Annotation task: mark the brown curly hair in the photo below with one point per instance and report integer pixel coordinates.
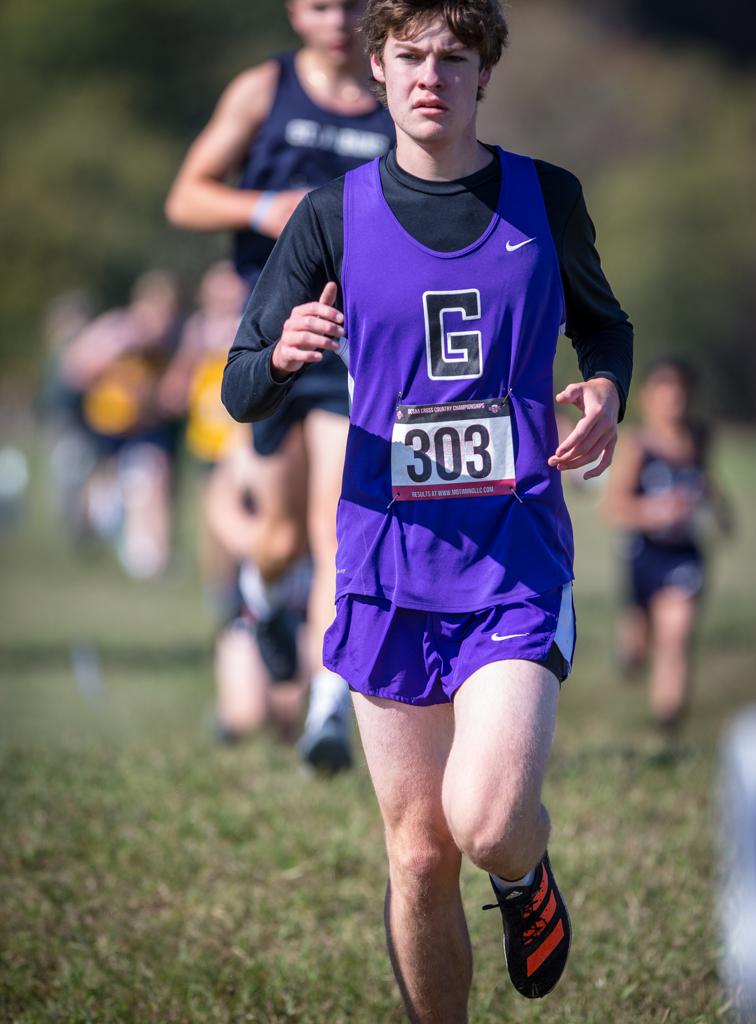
(478, 24)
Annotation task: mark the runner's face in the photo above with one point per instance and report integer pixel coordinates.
(221, 290)
(432, 82)
(328, 26)
(665, 396)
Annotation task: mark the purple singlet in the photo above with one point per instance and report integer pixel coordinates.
(448, 503)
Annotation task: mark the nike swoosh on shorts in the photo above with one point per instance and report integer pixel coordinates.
(509, 636)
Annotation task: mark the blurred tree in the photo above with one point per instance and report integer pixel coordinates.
(665, 145)
(728, 26)
(174, 55)
(98, 99)
(677, 230)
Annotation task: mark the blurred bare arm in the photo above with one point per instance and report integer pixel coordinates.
(96, 347)
(719, 502)
(723, 510)
(173, 394)
(201, 199)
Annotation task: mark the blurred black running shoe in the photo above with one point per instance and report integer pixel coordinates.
(276, 637)
(327, 747)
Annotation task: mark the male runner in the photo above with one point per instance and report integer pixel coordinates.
(190, 389)
(444, 272)
(115, 365)
(664, 495)
(287, 126)
(247, 696)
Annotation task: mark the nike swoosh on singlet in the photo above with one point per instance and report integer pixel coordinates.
(518, 245)
(509, 636)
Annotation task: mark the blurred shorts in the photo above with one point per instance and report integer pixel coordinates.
(653, 567)
(422, 658)
(165, 436)
(320, 388)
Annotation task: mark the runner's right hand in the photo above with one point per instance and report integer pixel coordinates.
(311, 329)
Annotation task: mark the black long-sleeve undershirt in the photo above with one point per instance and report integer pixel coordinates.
(445, 216)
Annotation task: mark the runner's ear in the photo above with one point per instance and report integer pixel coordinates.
(376, 67)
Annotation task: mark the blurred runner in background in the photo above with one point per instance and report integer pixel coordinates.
(661, 492)
(248, 696)
(191, 385)
(280, 129)
(228, 521)
(73, 451)
(115, 365)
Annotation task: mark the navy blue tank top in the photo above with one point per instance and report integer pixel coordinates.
(301, 145)
(660, 475)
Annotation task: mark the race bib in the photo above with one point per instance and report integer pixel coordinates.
(455, 450)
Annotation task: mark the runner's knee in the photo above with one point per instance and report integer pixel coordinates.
(506, 839)
(280, 544)
(421, 863)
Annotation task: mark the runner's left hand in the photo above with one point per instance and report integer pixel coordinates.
(596, 432)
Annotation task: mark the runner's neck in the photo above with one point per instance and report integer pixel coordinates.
(457, 159)
(343, 90)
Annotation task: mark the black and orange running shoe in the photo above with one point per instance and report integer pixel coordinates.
(537, 932)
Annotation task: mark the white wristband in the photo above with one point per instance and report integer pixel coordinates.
(260, 210)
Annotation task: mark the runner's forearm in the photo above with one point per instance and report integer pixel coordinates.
(249, 391)
(608, 353)
(207, 205)
(295, 273)
(598, 327)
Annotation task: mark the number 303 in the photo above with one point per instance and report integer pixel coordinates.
(447, 452)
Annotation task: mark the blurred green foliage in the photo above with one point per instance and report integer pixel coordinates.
(99, 99)
(679, 230)
(664, 141)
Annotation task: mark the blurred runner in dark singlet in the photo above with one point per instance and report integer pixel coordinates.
(228, 512)
(662, 493)
(247, 696)
(282, 128)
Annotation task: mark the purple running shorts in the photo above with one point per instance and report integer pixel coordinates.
(422, 658)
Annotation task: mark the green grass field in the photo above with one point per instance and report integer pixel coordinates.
(148, 876)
